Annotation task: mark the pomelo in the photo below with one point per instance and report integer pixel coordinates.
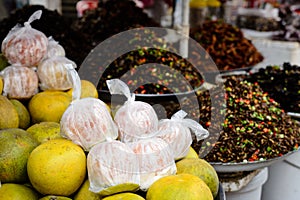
(88, 89)
(15, 146)
(45, 131)
(85, 194)
(53, 197)
(124, 196)
(1, 84)
(122, 187)
(181, 187)
(201, 168)
(3, 62)
(57, 167)
(9, 116)
(23, 113)
(48, 106)
(12, 191)
(192, 153)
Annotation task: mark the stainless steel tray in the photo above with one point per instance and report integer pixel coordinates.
(247, 166)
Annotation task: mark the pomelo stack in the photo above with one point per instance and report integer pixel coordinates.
(58, 140)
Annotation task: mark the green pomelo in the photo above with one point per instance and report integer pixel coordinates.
(23, 113)
(9, 116)
(12, 191)
(202, 169)
(45, 131)
(3, 62)
(15, 147)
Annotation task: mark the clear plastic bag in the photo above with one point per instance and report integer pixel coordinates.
(53, 73)
(88, 122)
(155, 158)
(54, 48)
(25, 45)
(177, 133)
(111, 163)
(135, 119)
(19, 82)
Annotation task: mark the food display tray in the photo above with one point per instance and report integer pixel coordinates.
(248, 166)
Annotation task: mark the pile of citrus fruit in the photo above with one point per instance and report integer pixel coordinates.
(41, 154)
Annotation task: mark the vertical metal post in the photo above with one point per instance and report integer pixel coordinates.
(185, 28)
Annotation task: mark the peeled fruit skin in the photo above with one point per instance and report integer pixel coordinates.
(85, 194)
(179, 187)
(48, 106)
(23, 113)
(12, 191)
(201, 168)
(124, 196)
(45, 131)
(57, 167)
(9, 116)
(15, 147)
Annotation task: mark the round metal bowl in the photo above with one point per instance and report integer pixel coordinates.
(248, 166)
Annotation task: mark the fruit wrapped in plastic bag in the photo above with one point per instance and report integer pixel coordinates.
(53, 73)
(155, 159)
(135, 119)
(19, 82)
(88, 122)
(25, 45)
(177, 133)
(54, 48)
(112, 163)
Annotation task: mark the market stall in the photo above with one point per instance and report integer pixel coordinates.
(110, 105)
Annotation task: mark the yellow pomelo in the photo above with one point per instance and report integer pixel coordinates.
(15, 147)
(45, 131)
(201, 168)
(124, 196)
(48, 106)
(1, 85)
(179, 187)
(88, 89)
(124, 187)
(53, 197)
(9, 116)
(57, 167)
(192, 153)
(85, 194)
(12, 191)
(24, 116)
